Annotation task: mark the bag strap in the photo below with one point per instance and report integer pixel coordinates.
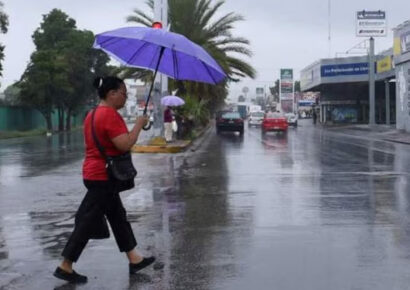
(99, 146)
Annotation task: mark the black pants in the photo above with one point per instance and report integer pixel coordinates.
(101, 200)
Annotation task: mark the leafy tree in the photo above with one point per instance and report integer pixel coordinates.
(297, 86)
(4, 23)
(45, 81)
(83, 64)
(12, 95)
(61, 70)
(275, 91)
(196, 20)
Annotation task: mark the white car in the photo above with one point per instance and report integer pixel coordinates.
(255, 118)
(292, 119)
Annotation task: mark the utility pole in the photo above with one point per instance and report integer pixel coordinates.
(161, 81)
(372, 107)
(387, 93)
(329, 11)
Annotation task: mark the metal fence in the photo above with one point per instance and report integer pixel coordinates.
(24, 119)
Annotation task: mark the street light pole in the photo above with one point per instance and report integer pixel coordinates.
(161, 81)
(329, 11)
(372, 108)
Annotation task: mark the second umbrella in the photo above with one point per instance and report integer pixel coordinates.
(172, 101)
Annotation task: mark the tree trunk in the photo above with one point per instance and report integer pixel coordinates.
(60, 119)
(68, 121)
(49, 122)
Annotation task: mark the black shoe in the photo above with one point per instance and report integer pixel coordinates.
(73, 277)
(134, 268)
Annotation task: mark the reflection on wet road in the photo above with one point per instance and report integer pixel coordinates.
(310, 209)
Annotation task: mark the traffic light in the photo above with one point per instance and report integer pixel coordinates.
(157, 25)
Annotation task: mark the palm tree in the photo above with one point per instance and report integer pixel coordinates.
(4, 23)
(194, 19)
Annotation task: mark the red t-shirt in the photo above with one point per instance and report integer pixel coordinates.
(108, 124)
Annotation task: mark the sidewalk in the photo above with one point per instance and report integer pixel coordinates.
(379, 132)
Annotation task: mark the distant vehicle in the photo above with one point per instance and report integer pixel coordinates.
(254, 108)
(255, 118)
(229, 121)
(274, 121)
(243, 110)
(292, 119)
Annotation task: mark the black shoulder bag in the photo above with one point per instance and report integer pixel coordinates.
(120, 169)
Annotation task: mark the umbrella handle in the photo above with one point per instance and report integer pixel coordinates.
(149, 124)
(147, 127)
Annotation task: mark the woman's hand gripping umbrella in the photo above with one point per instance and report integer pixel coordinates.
(166, 52)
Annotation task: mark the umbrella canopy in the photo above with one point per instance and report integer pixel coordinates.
(170, 53)
(172, 101)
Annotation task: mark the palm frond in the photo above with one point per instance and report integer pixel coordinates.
(140, 17)
(150, 4)
(207, 15)
(224, 25)
(231, 40)
(237, 49)
(239, 66)
(4, 19)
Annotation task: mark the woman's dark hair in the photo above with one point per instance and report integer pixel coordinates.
(106, 84)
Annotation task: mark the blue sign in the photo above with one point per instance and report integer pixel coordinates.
(347, 69)
(306, 103)
(344, 115)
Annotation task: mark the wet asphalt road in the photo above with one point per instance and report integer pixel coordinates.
(312, 209)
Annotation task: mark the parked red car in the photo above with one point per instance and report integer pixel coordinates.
(274, 121)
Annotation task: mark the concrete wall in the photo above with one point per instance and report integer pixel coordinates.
(402, 63)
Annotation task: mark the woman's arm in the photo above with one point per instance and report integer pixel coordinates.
(124, 142)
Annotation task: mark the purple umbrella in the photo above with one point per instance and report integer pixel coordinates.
(169, 53)
(172, 101)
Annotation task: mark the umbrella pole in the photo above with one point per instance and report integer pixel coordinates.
(153, 80)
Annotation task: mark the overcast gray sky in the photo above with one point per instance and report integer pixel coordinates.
(283, 34)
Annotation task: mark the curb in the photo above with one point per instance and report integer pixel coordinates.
(161, 148)
(169, 148)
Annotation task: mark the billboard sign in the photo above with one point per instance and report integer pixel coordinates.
(384, 65)
(371, 23)
(347, 69)
(286, 84)
(259, 91)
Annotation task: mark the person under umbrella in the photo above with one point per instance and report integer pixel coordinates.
(168, 118)
(169, 102)
(169, 53)
(102, 199)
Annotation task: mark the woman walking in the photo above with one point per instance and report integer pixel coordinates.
(168, 124)
(102, 199)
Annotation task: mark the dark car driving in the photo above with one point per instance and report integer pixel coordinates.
(229, 121)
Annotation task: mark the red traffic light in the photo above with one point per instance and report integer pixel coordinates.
(157, 25)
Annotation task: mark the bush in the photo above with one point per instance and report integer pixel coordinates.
(195, 110)
(194, 114)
